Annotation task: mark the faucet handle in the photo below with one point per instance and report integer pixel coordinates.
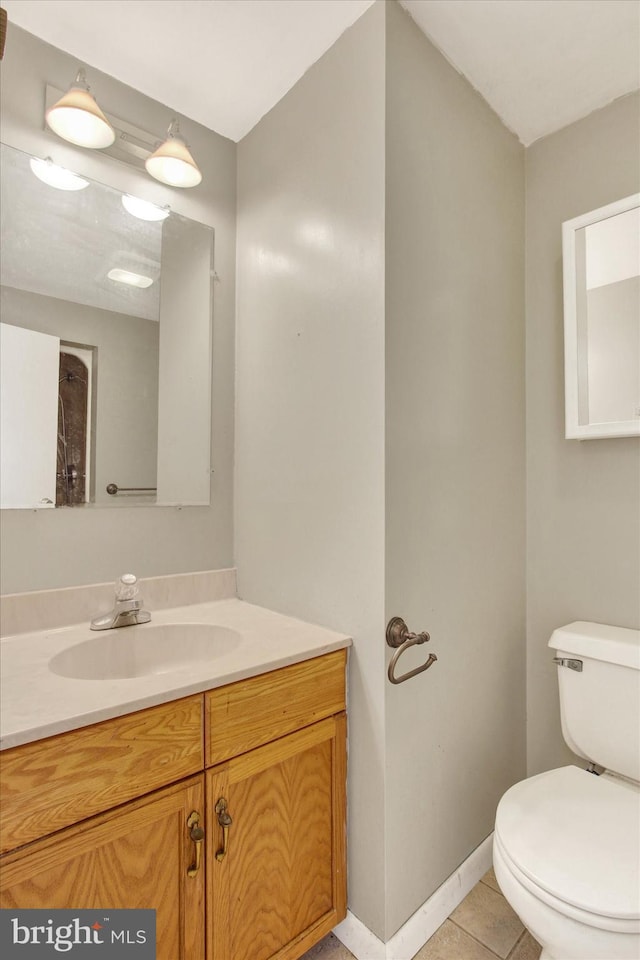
(127, 587)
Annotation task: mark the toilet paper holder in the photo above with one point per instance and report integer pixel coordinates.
(398, 636)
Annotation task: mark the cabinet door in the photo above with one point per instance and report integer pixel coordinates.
(279, 884)
(134, 856)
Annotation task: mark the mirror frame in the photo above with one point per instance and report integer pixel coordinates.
(574, 430)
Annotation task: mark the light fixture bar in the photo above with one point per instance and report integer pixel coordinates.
(132, 145)
(171, 158)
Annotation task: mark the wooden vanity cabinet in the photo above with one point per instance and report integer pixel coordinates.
(276, 875)
(137, 855)
(88, 820)
(53, 783)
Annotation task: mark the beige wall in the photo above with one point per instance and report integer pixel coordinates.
(310, 391)
(583, 497)
(429, 760)
(455, 736)
(54, 548)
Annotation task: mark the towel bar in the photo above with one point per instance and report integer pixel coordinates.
(398, 636)
(113, 489)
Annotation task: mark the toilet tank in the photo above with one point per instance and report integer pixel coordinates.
(600, 703)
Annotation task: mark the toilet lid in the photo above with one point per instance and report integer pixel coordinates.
(577, 836)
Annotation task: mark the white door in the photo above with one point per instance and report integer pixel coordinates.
(29, 371)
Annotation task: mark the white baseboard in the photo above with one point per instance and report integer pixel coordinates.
(359, 940)
(404, 944)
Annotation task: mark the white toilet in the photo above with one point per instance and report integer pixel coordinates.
(566, 848)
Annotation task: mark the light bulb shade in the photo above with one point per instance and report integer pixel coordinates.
(76, 117)
(173, 164)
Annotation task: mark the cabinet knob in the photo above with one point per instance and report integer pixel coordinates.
(225, 822)
(197, 835)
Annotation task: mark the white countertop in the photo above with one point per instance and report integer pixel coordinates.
(37, 703)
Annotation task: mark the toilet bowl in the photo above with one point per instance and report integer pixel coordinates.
(567, 842)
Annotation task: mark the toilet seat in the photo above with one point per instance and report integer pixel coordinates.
(561, 907)
(573, 840)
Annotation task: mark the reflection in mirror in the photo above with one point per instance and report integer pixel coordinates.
(105, 345)
(601, 252)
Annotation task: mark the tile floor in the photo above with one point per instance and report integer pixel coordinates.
(483, 927)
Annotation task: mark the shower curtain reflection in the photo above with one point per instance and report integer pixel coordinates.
(73, 406)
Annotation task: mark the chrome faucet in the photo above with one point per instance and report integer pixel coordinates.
(127, 609)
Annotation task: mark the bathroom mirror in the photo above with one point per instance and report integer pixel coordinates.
(601, 259)
(106, 340)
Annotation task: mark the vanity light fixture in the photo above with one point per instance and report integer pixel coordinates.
(76, 117)
(143, 209)
(131, 279)
(55, 176)
(172, 162)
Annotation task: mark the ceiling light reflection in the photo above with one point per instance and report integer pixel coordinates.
(131, 279)
(54, 176)
(143, 209)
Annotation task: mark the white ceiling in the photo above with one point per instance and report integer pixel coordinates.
(541, 64)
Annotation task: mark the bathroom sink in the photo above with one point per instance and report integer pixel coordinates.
(143, 651)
